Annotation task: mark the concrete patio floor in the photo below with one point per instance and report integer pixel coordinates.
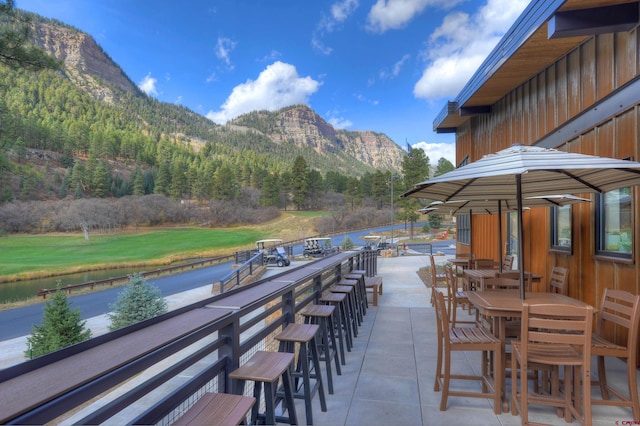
(390, 373)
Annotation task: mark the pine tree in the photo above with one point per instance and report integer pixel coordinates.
(138, 302)
(61, 327)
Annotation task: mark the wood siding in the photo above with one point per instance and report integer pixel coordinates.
(562, 91)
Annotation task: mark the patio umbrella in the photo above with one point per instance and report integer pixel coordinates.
(522, 171)
(498, 207)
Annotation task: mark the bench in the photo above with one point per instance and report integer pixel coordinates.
(217, 408)
(375, 285)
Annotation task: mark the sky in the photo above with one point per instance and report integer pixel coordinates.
(388, 66)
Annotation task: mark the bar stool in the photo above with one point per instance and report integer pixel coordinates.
(328, 346)
(362, 291)
(356, 297)
(307, 367)
(267, 367)
(342, 325)
(352, 318)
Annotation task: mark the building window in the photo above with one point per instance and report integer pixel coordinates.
(613, 221)
(561, 230)
(463, 222)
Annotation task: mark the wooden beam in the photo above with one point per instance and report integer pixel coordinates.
(597, 20)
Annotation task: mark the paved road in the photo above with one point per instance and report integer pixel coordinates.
(19, 321)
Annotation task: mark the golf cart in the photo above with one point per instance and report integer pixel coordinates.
(317, 247)
(375, 242)
(273, 253)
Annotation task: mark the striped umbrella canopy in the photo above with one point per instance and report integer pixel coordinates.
(522, 171)
(498, 207)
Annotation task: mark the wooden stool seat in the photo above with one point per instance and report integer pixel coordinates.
(308, 363)
(341, 323)
(323, 315)
(362, 291)
(266, 368)
(352, 316)
(375, 284)
(357, 298)
(217, 408)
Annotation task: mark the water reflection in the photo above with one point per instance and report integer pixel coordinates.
(21, 290)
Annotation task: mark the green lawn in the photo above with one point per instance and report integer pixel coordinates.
(30, 254)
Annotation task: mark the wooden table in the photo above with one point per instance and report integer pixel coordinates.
(502, 304)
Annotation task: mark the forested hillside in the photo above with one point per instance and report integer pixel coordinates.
(85, 131)
(99, 133)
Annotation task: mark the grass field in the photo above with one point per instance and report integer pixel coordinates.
(27, 256)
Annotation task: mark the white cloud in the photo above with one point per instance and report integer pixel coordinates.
(435, 151)
(148, 85)
(395, 70)
(277, 86)
(393, 14)
(340, 12)
(339, 122)
(457, 47)
(224, 46)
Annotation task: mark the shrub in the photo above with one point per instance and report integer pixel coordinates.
(61, 327)
(346, 244)
(139, 301)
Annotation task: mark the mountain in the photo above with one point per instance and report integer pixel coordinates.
(91, 70)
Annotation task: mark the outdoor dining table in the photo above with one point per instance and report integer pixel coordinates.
(502, 304)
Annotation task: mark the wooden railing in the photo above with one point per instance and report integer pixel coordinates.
(153, 371)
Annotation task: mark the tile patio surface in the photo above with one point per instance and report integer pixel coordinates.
(389, 374)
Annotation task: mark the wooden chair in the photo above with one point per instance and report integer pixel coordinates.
(485, 264)
(436, 279)
(554, 335)
(558, 280)
(507, 262)
(621, 309)
(452, 339)
(500, 283)
(528, 277)
(456, 297)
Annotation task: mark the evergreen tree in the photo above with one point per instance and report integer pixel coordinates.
(138, 182)
(101, 180)
(225, 184)
(61, 327)
(15, 50)
(443, 167)
(270, 194)
(299, 182)
(139, 301)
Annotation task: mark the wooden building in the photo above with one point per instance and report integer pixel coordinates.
(565, 76)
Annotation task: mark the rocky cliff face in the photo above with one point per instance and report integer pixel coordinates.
(85, 62)
(302, 126)
(91, 69)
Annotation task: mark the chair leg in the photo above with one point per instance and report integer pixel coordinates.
(436, 383)
(602, 378)
(445, 382)
(633, 389)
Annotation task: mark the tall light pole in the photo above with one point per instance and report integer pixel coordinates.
(393, 217)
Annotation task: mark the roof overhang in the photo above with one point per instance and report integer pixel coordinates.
(546, 30)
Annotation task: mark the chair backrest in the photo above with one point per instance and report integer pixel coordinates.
(442, 317)
(528, 278)
(622, 309)
(558, 280)
(507, 262)
(500, 283)
(434, 273)
(485, 264)
(558, 324)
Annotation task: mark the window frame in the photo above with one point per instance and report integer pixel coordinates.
(600, 249)
(554, 235)
(463, 228)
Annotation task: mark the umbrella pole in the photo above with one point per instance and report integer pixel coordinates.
(500, 234)
(520, 235)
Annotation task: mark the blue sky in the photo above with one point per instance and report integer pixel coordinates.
(383, 65)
